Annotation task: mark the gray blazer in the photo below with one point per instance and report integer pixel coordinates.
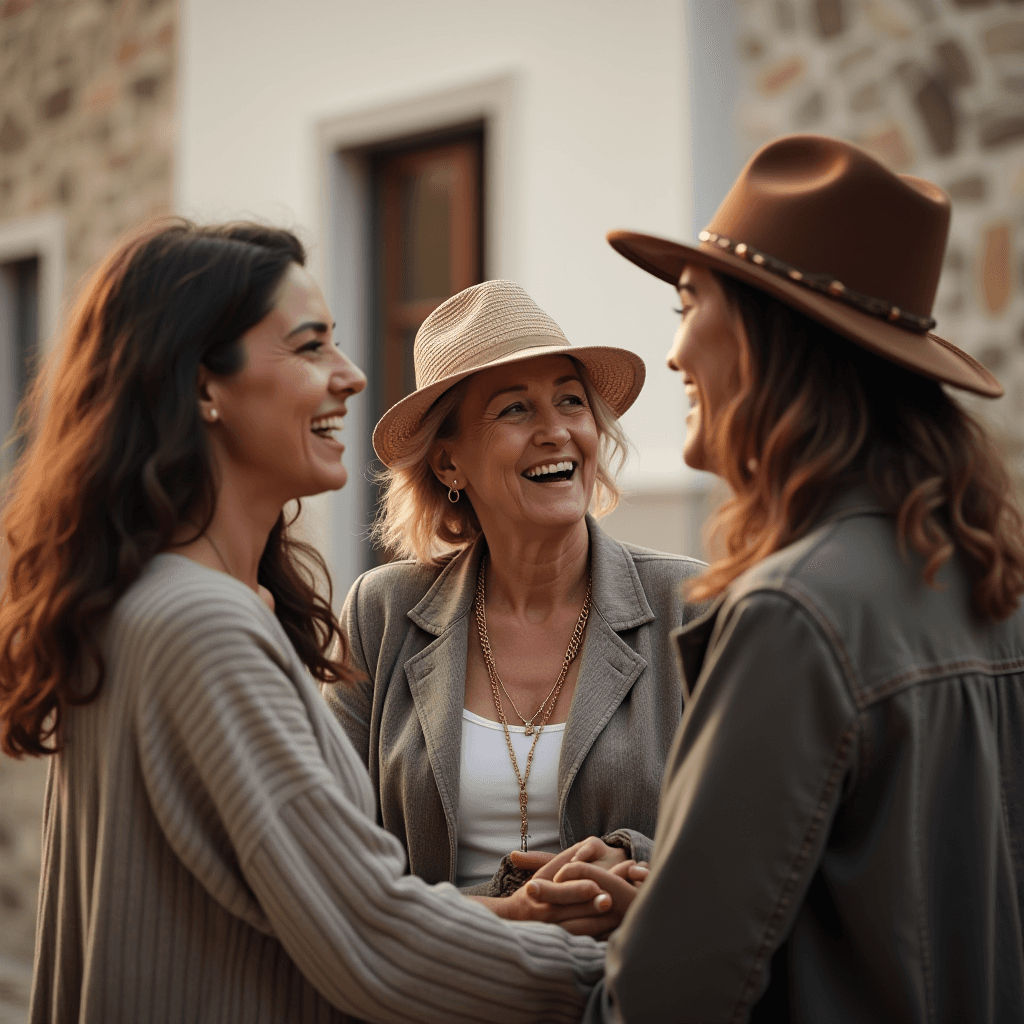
(408, 626)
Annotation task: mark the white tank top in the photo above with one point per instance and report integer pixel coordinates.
(489, 819)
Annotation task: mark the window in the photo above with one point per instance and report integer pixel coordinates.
(19, 334)
(428, 228)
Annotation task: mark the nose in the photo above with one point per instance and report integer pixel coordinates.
(673, 353)
(551, 428)
(347, 378)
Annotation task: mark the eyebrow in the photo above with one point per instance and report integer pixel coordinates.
(522, 387)
(686, 288)
(311, 325)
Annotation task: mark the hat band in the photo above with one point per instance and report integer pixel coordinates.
(824, 283)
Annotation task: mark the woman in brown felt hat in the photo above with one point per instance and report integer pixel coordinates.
(518, 692)
(842, 821)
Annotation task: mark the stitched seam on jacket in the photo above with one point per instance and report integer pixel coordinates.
(833, 637)
(934, 672)
(922, 913)
(741, 1012)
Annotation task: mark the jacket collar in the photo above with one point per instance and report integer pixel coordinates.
(855, 500)
(617, 592)
(691, 641)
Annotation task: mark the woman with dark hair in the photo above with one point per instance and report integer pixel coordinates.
(842, 819)
(210, 851)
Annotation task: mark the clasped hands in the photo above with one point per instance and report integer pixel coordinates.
(586, 888)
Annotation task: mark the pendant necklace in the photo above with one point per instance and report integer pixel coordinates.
(547, 705)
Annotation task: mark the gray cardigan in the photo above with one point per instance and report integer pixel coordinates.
(408, 626)
(210, 854)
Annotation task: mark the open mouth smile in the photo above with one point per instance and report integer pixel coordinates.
(551, 471)
(327, 426)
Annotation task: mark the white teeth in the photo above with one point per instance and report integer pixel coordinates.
(327, 423)
(554, 467)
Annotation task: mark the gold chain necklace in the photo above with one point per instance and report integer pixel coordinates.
(549, 701)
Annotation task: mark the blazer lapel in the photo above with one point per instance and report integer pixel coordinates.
(437, 678)
(608, 666)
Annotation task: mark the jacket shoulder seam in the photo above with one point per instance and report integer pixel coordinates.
(932, 673)
(785, 588)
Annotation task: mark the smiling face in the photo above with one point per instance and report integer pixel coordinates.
(274, 423)
(706, 351)
(527, 447)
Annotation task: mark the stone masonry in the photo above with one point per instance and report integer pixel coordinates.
(87, 128)
(87, 116)
(933, 88)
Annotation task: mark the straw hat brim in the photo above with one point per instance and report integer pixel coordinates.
(616, 374)
(927, 354)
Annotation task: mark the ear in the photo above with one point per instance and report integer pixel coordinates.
(206, 394)
(440, 460)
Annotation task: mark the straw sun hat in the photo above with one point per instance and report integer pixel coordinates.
(821, 225)
(493, 324)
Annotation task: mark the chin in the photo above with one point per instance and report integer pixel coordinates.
(324, 482)
(560, 518)
(694, 454)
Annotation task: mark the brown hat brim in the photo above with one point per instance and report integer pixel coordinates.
(927, 354)
(616, 374)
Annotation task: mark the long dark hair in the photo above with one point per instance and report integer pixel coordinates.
(118, 460)
(815, 412)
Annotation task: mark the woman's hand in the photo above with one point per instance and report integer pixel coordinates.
(620, 885)
(580, 900)
(596, 851)
(591, 849)
(573, 888)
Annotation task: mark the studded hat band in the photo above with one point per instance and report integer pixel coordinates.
(824, 283)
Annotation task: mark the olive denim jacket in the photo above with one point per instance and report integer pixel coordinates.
(841, 834)
(408, 627)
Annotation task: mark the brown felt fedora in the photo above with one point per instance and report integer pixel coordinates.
(821, 225)
(492, 324)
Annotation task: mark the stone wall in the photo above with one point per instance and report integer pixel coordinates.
(86, 127)
(933, 88)
(87, 115)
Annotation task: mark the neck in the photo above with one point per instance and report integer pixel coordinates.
(236, 537)
(531, 575)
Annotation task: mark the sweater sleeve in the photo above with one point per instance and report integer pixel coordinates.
(242, 790)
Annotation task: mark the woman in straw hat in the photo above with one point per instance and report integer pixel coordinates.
(843, 815)
(518, 692)
(210, 851)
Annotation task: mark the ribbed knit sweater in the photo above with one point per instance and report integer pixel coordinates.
(210, 850)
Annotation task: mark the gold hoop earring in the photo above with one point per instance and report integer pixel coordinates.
(451, 491)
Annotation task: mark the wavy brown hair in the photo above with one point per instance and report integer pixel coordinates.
(817, 413)
(117, 460)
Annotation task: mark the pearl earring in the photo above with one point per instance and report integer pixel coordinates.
(752, 465)
(211, 415)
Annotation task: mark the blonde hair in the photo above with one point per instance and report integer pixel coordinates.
(416, 520)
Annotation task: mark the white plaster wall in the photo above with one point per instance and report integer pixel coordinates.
(598, 138)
